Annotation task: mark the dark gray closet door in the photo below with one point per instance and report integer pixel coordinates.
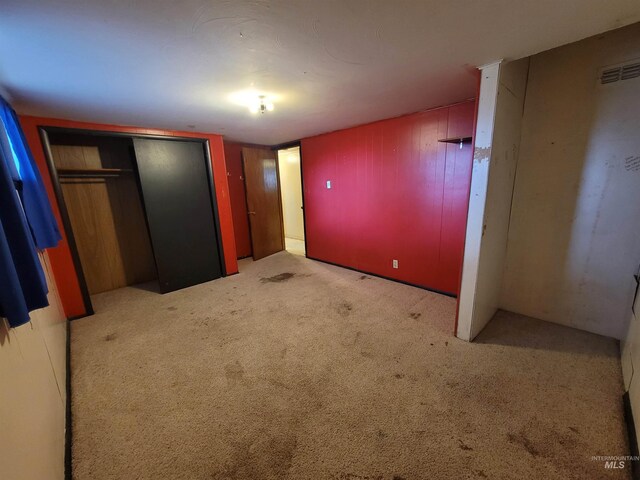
(176, 191)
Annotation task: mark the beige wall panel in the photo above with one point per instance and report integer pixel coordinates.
(32, 395)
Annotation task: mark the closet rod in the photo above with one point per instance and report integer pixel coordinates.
(89, 175)
(92, 172)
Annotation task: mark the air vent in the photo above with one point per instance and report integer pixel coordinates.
(624, 71)
(611, 75)
(630, 71)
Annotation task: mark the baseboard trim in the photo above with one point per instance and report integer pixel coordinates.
(631, 433)
(448, 294)
(68, 433)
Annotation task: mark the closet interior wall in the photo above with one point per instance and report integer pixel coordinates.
(100, 188)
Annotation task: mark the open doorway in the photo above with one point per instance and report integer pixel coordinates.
(291, 195)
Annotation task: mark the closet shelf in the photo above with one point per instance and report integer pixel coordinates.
(456, 140)
(92, 172)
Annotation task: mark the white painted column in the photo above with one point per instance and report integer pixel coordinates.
(478, 197)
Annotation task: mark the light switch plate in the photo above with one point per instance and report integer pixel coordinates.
(328, 183)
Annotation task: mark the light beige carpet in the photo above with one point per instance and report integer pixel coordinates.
(295, 369)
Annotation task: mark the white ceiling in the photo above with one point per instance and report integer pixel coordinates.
(327, 64)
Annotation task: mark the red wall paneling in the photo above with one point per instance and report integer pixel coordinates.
(396, 193)
(237, 195)
(61, 261)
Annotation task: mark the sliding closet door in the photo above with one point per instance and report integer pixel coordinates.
(178, 202)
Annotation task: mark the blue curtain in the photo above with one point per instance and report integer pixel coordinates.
(32, 193)
(27, 224)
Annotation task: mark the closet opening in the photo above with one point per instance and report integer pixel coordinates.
(99, 184)
(137, 210)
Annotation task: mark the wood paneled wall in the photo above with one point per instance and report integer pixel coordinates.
(238, 198)
(107, 217)
(397, 193)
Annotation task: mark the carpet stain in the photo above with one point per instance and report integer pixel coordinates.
(283, 352)
(110, 337)
(353, 476)
(281, 277)
(464, 446)
(415, 316)
(234, 371)
(567, 440)
(523, 441)
(266, 457)
(480, 473)
(277, 383)
(344, 309)
(364, 277)
(399, 375)
(398, 477)
(172, 309)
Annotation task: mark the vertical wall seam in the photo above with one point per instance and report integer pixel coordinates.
(515, 180)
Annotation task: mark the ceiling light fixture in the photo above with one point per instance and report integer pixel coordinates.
(257, 101)
(261, 105)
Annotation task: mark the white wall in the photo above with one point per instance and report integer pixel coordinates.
(291, 189)
(502, 92)
(574, 240)
(33, 393)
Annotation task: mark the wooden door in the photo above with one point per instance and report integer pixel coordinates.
(263, 201)
(177, 194)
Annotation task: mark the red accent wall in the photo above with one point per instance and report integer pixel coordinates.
(238, 197)
(396, 193)
(61, 262)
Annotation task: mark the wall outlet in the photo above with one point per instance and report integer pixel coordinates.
(395, 264)
(328, 183)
